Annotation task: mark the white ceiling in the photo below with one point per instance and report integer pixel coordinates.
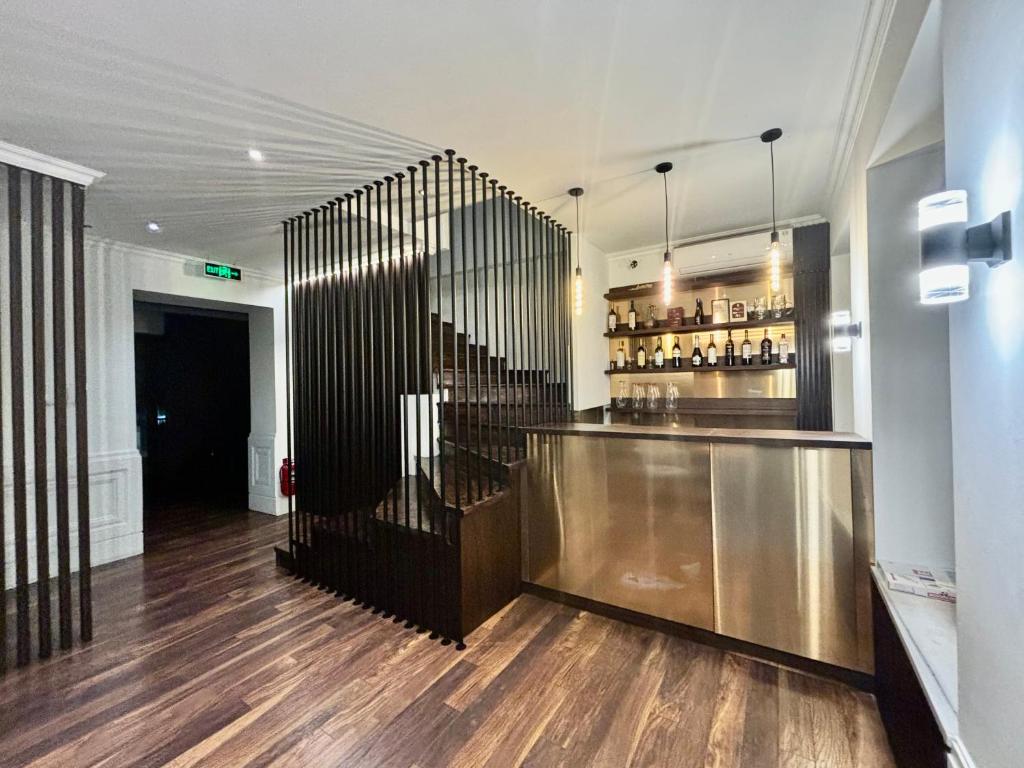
(167, 97)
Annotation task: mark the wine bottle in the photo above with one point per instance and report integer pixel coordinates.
(697, 358)
(712, 352)
(746, 350)
(613, 319)
(783, 349)
(677, 354)
(659, 355)
(766, 349)
(631, 317)
(620, 356)
(641, 356)
(730, 350)
(698, 316)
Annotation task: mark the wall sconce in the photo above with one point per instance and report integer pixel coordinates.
(843, 331)
(948, 244)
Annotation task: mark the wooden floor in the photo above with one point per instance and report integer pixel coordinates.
(206, 654)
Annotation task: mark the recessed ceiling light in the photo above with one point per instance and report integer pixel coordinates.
(255, 155)
(152, 226)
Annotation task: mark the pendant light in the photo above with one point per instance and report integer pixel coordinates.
(769, 137)
(577, 287)
(666, 264)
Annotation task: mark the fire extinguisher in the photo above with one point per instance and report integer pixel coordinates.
(286, 475)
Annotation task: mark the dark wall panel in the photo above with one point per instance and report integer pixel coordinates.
(812, 299)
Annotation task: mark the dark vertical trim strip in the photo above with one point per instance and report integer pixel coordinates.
(811, 297)
(60, 412)
(14, 223)
(288, 235)
(42, 491)
(81, 413)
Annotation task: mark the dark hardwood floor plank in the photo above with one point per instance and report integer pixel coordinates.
(205, 654)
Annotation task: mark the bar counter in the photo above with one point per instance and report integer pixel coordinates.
(762, 536)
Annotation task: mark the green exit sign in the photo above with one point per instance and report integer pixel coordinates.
(223, 271)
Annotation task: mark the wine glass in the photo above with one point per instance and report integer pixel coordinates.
(671, 395)
(623, 397)
(653, 396)
(638, 396)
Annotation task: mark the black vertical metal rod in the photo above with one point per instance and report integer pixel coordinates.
(361, 393)
(326, 412)
(394, 435)
(553, 316)
(429, 568)
(417, 307)
(370, 398)
(387, 539)
(476, 335)
(316, 287)
(287, 246)
(492, 422)
(403, 346)
(302, 407)
(506, 290)
(351, 413)
(298, 556)
(542, 327)
(60, 413)
(449, 628)
(520, 326)
(333, 439)
(307, 376)
(42, 495)
(531, 311)
(566, 308)
(437, 548)
(14, 223)
(81, 413)
(465, 326)
(502, 432)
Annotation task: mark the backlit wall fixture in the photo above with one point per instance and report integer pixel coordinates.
(666, 263)
(769, 137)
(45, 202)
(577, 286)
(844, 331)
(948, 245)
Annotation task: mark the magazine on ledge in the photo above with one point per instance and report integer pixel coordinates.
(933, 583)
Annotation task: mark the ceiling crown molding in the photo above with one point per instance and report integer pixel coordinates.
(20, 157)
(877, 17)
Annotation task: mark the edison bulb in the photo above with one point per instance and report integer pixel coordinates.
(578, 292)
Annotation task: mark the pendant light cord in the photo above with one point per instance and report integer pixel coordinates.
(771, 150)
(577, 232)
(664, 177)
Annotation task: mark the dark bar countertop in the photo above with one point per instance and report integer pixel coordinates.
(777, 437)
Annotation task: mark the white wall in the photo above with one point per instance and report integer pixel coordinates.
(115, 274)
(842, 364)
(983, 73)
(590, 347)
(910, 399)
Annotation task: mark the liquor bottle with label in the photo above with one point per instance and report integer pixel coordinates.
(659, 355)
(641, 356)
(620, 356)
(613, 319)
(712, 352)
(631, 316)
(698, 316)
(783, 349)
(766, 349)
(730, 350)
(746, 350)
(697, 358)
(677, 354)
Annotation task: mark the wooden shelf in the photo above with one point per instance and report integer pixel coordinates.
(663, 330)
(688, 368)
(722, 406)
(697, 283)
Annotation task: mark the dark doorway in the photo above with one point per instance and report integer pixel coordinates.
(192, 407)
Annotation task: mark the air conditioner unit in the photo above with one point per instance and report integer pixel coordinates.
(728, 254)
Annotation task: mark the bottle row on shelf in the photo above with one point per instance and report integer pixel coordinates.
(724, 312)
(700, 358)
